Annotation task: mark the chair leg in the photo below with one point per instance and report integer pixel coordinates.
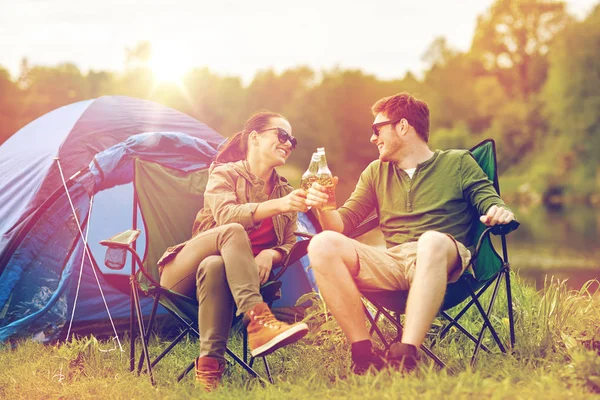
(168, 349)
(245, 346)
(375, 318)
(424, 348)
(185, 372)
(140, 319)
(374, 327)
(463, 311)
(148, 330)
(461, 328)
(131, 324)
(511, 320)
(268, 369)
(487, 323)
(244, 365)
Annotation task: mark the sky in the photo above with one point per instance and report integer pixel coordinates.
(386, 38)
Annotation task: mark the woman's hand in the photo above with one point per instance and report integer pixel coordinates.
(264, 261)
(294, 202)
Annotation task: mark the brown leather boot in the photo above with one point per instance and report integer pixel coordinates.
(267, 334)
(209, 372)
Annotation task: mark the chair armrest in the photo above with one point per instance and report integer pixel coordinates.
(367, 225)
(121, 240)
(299, 250)
(505, 229)
(307, 235)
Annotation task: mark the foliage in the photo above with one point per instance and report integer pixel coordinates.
(512, 40)
(556, 356)
(573, 85)
(530, 81)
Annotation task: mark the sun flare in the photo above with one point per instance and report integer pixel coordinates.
(168, 65)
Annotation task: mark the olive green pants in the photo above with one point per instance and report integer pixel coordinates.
(218, 265)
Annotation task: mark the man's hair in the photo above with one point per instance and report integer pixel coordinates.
(403, 105)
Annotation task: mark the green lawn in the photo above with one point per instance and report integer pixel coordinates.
(558, 340)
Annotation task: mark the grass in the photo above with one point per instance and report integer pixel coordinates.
(557, 356)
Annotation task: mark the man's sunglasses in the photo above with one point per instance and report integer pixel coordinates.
(378, 125)
(283, 136)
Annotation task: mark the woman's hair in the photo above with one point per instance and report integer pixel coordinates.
(236, 147)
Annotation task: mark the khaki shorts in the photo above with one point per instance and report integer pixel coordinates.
(394, 268)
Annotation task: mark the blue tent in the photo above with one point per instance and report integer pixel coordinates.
(66, 177)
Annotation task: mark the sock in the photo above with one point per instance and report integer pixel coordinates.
(362, 349)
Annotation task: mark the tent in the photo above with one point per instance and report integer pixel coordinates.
(65, 180)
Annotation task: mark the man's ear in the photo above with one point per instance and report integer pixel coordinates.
(403, 125)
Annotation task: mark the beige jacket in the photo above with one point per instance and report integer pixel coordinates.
(232, 196)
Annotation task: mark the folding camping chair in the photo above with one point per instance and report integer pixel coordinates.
(490, 268)
(168, 200)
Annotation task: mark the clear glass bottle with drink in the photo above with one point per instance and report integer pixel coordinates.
(310, 175)
(325, 178)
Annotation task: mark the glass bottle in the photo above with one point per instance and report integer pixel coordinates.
(310, 175)
(325, 178)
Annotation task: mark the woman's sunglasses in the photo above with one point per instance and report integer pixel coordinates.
(283, 136)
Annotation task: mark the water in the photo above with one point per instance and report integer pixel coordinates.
(564, 243)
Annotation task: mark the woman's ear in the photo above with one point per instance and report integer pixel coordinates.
(253, 138)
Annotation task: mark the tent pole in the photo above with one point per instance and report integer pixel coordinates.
(131, 294)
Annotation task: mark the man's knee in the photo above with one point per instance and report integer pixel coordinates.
(325, 244)
(433, 240)
(437, 244)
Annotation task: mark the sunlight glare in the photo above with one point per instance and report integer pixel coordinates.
(168, 65)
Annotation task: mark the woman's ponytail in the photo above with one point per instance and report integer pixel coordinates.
(236, 148)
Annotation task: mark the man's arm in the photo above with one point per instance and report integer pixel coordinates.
(330, 220)
(347, 217)
(317, 197)
(480, 192)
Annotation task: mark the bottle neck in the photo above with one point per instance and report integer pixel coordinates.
(323, 168)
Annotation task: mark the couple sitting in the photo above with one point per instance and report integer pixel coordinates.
(424, 199)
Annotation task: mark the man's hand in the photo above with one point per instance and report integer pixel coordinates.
(294, 202)
(317, 196)
(497, 216)
(264, 261)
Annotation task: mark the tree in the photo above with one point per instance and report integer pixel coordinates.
(512, 40)
(573, 101)
(450, 88)
(45, 88)
(10, 106)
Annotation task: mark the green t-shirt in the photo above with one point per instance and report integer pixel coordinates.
(445, 194)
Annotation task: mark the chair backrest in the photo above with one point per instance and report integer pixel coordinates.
(488, 262)
(168, 200)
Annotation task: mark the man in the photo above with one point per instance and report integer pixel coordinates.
(425, 201)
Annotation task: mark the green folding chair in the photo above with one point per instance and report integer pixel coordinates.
(490, 269)
(168, 201)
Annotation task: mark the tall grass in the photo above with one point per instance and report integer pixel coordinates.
(556, 356)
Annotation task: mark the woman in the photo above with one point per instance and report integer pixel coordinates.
(246, 226)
